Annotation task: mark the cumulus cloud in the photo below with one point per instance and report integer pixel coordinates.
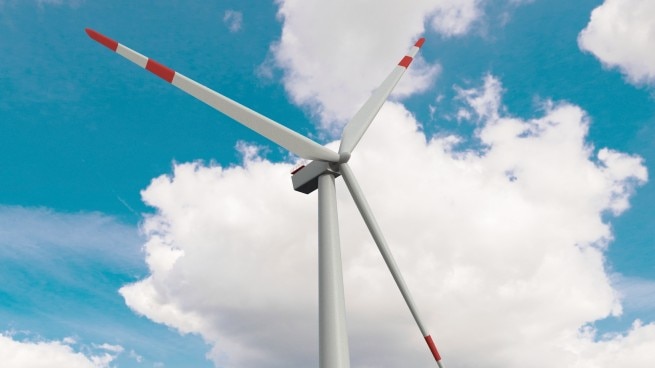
(503, 248)
(233, 20)
(44, 354)
(621, 34)
(334, 53)
(481, 103)
(455, 17)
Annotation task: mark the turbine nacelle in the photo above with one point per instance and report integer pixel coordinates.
(305, 179)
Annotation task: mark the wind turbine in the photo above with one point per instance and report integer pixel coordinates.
(320, 174)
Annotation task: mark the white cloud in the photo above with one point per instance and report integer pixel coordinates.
(632, 349)
(71, 3)
(46, 354)
(621, 34)
(503, 248)
(455, 17)
(484, 103)
(334, 53)
(42, 3)
(110, 348)
(61, 269)
(38, 233)
(233, 20)
(638, 293)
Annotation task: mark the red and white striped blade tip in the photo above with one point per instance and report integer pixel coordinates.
(408, 59)
(433, 348)
(102, 39)
(153, 66)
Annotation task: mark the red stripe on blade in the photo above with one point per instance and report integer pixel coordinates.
(433, 348)
(161, 71)
(420, 42)
(405, 61)
(102, 39)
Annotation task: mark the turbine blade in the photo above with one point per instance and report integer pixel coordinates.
(381, 242)
(357, 126)
(283, 136)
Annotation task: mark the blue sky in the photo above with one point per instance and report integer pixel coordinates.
(98, 154)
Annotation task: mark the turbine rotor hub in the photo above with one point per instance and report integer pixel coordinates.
(344, 157)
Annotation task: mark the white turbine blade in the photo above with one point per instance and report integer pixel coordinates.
(283, 136)
(381, 242)
(357, 126)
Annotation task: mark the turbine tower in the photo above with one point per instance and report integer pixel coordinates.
(320, 174)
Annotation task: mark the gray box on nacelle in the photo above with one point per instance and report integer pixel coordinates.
(305, 180)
